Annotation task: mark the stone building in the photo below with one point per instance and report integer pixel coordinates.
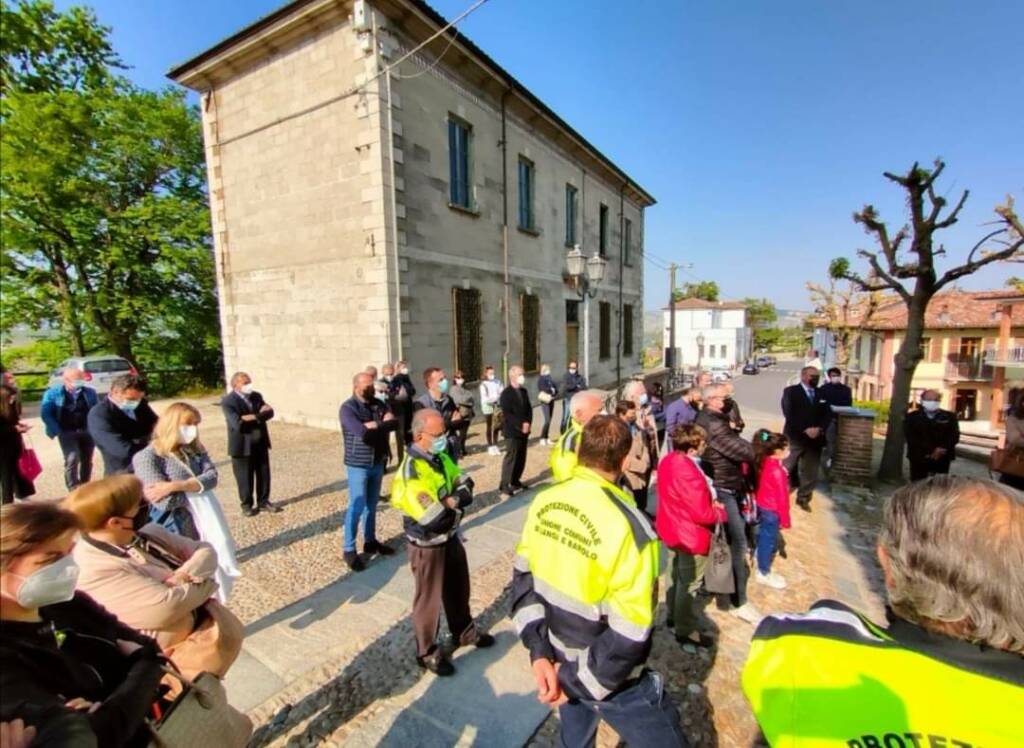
(424, 213)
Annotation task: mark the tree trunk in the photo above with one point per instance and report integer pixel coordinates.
(907, 359)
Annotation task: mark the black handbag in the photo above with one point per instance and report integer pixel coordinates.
(718, 578)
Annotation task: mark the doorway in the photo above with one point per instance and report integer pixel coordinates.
(966, 405)
(572, 330)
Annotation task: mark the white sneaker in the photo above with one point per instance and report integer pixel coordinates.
(771, 579)
(493, 450)
(748, 613)
(545, 443)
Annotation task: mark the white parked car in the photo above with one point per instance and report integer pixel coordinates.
(720, 375)
(100, 371)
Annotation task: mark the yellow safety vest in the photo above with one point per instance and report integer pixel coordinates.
(564, 456)
(417, 490)
(584, 585)
(833, 678)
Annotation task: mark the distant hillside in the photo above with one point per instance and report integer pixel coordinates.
(790, 318)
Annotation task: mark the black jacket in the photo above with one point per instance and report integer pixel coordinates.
(38, 675)
(119, 436)
(445, 406)
(924, 434)
(725, 453)
(246, 436)
(572, 384)
(515, 411)
(802, 413)
(836, 394)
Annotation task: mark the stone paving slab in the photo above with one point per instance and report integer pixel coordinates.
(490, 701)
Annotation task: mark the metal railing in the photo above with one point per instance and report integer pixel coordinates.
(1014, 356)
(967, 368)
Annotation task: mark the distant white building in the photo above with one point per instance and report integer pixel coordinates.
(708, 334)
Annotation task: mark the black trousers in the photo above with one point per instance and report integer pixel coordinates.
(514, 461)
(78, 448)
(802, 465)
(921, 469)
(252, 474)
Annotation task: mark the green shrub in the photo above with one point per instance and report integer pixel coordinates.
(881, 409)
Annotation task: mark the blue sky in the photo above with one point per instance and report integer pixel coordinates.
(759, 126)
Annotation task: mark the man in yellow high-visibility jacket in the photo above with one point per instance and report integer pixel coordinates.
(949, 668)
(432, 492)
(583, 406)
(584, 591)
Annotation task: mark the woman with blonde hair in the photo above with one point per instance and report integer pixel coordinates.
(178, 479)
(153, 580)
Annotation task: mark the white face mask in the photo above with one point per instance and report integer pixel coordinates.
(835, 380)
(930, 406)
(187, 434)
(572, 369)
(404, 370)
(490, 377)
(545, 372)
(459, 381)
(247, 389)
(49, 585)
(521, 380)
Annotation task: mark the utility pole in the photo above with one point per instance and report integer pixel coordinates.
(670, 358)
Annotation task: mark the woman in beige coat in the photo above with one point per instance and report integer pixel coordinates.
(153, 580)
(637, 473)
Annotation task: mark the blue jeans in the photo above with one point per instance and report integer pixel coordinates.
(642, 715)
(363, 495)
(767, 539)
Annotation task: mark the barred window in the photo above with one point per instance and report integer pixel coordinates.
(605, 330)
(468, 345)
(529, 315)
(627, 330)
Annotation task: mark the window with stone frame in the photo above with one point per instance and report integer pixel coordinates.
(604, 348)
(466, 333)
(627, 242)
(460, 133)
(627, 329)
(526, 192)
(602, 231)
(529, 316)
(571, 208)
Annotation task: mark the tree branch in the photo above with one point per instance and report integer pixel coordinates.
(952, 217)
(879, 272)
(971, 267)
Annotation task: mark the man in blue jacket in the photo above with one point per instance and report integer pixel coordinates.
(65, 413)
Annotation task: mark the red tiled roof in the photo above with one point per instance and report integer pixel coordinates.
(953, 309)
(685, 304)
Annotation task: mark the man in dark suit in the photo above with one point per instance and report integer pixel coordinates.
(121, 423)
(932, 435)
(807, 417)
(517, 417)
(249, 444)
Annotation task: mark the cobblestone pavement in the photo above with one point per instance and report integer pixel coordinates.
(290, 556)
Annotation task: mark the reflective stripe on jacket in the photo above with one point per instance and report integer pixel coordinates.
(585, 584)
(421, 483)
(564, 456)
(831, 677)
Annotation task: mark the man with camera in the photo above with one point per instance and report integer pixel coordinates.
(432, 493)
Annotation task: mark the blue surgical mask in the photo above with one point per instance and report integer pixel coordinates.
(643, 399)
(439, 444)
(130, 405)
(443, 386)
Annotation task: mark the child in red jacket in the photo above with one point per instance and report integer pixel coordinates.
(770, 449)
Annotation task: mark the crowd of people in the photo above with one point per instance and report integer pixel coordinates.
(142, 560)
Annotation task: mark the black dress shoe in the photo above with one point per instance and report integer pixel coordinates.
(268, 506)
(353, 561)
(519, 486)
(805, 505)
(250, 511)
(484, 641)
(379, 548)
(436, 664)
(703, 640)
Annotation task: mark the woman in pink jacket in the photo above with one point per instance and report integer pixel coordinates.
(687, 513)
(770, 449)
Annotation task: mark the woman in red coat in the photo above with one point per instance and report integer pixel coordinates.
(687, 514)
(771, 450)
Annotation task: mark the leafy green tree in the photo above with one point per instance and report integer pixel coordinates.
(706, 290)
(761, 316)
(105, 224)
(912, 273)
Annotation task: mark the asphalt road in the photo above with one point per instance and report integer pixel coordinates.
(763, 392)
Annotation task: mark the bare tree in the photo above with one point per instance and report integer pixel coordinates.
(912, 275)
(843, 310)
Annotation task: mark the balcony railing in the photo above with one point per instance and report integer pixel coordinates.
(1014, 356)
(967, 368)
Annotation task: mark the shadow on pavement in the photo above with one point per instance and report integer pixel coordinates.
(373, 675)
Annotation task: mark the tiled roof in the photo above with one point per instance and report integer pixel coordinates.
(685, 304)
(953, 309)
